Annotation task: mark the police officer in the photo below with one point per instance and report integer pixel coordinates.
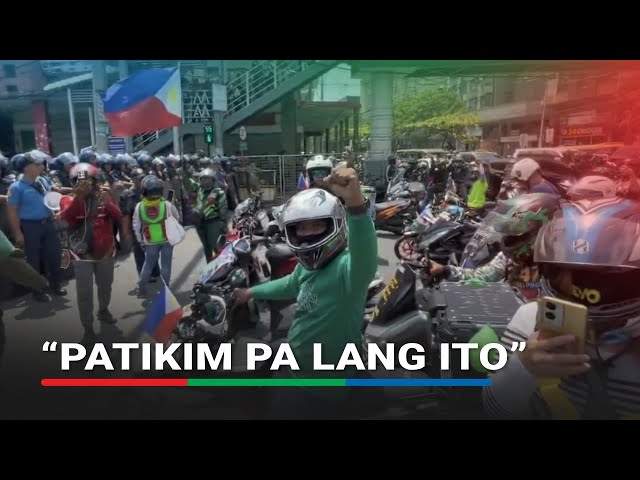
(32, 222)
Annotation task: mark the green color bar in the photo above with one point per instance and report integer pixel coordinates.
(266, 382)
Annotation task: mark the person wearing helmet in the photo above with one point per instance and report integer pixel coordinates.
(517, 222)
(128, 201)
(144, 161)
(62, 165)
(149, 228)
(227, 170)
(592, 187)
(317, 168)
(210, 211)
(528, 174)
(330, 282)
(88, 155)
(32, 222)
(478, 194)
(91, 215)
(588, 255)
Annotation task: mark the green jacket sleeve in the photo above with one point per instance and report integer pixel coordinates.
(190, 185)
(362, 262)
(284, 288)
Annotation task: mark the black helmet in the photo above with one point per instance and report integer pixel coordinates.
(152, 187)
(21, 160)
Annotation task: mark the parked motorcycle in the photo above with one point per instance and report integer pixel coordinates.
(394, 216)
(440, 313)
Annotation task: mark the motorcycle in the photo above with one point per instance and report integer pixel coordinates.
(394, 216)
(438, 313)
(444, 234)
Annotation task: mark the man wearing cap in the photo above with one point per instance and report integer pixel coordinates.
(32, 221)
(528, 174)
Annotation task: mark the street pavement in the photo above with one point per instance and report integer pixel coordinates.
(29, 324)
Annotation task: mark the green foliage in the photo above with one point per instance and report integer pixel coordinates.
(432, 112)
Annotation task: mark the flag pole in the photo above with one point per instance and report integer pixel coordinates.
(176, 130)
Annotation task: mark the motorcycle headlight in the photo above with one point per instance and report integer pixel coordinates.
(238, 278)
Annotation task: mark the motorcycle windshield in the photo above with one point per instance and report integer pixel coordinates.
(243, 208)
(427, 215)
(219, 266)
(477, 251)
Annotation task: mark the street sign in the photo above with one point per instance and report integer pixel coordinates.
(243, 133)
(243, 146)
(208, 133)
(116, 145)
(219, 100)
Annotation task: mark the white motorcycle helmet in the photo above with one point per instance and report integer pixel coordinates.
(315, 204)
(592, 187)
(318, 166)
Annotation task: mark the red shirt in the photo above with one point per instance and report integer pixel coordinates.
(74, 212)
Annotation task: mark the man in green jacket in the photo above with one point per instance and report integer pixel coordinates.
(210, 212)
(330, 284)
(14, 266)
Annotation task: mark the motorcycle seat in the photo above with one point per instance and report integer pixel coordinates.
(392, 203)
(278, 252)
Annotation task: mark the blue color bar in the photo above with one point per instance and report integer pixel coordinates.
(418, 382)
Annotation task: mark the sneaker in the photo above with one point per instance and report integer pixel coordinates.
(59, 291)
(141, 294)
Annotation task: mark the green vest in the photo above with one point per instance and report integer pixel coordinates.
(211, 210)
(153, 228)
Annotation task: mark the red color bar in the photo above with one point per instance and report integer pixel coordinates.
(113, 382)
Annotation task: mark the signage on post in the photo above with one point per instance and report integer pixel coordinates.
(208, 133)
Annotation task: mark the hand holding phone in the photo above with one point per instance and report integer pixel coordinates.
(557, 348)
(559, 317)
(170, 195)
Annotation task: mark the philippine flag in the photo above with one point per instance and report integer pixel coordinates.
(163, 316)
(302, 183)
(146, 101)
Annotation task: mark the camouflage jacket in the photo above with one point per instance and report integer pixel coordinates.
(525, 279)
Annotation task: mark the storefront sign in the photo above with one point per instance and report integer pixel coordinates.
(582, 131)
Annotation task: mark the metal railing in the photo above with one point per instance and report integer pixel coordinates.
(282, 172)
(242, 90)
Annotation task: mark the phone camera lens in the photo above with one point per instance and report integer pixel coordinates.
(550, 315)
(551, 306)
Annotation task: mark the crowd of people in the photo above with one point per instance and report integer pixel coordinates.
(102, 208)
(586, 240)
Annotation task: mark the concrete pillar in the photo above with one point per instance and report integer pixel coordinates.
(347, 136)
(336, 138)
(381, 122)
(99, 88)
(123, 70)
(288, 122)
(327, 141)
(356, 126)
(341, 136)
(41, 129)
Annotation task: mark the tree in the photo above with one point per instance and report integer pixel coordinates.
(433, 112)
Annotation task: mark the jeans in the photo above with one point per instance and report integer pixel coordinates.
(162, 251)
(139, 256)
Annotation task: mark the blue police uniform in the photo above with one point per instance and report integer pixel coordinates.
(41, 240)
